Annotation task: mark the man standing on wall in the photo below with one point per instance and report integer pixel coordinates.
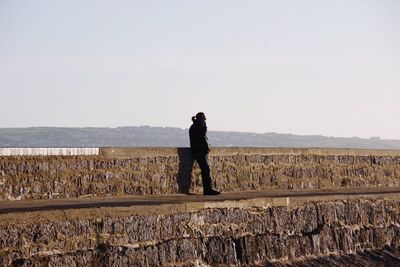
(200, 149)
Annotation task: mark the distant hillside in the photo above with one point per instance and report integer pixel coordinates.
(145, 136)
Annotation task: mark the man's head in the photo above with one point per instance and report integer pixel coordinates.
(200, 116)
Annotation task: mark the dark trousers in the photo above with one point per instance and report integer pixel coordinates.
(202, 160)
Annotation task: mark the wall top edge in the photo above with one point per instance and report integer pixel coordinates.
(173, 151)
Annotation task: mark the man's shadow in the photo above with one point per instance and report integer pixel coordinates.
(184, 177)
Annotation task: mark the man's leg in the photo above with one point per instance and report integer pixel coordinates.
(205, 175)
(205, 171)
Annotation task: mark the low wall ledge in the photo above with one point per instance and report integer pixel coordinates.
(173, 151)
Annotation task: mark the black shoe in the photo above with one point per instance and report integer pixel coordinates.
(211, 192)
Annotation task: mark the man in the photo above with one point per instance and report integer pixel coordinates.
(200, 149)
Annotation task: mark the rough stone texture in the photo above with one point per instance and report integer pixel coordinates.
(230, 236)
(388, 256)
(164, 171)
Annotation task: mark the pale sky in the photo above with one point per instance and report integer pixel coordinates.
(304, 67)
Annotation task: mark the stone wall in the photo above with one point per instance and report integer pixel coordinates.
(254, 235)
(140, 171)
(48, 151)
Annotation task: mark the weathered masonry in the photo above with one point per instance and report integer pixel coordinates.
(154, 171)
(122, 207)
(244, 232)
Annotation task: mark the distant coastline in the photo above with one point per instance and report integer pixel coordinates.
(146, 136)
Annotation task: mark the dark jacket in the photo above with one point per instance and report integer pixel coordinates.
(198, 138)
